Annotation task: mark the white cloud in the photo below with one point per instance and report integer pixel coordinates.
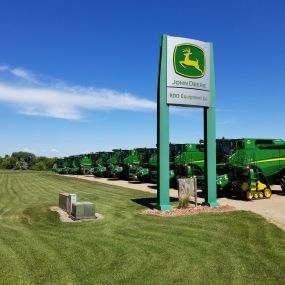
(33, 97)
(23, 74)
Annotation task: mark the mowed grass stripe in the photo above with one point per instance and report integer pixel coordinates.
(127, 247)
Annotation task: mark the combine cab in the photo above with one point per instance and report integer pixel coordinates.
(248, 167)
(138, 167)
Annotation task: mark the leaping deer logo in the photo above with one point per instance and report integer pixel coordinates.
(188, 62)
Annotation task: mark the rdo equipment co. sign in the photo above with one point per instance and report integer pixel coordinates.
(186, 78)
(188, 72)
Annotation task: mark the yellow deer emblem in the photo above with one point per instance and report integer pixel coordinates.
(188, 62)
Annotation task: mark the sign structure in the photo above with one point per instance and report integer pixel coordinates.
(186, 78)
(188, 72)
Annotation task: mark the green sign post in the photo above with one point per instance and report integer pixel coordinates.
(186, 78)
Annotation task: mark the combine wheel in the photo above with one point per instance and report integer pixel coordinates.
(255, 195)
(267, 193)
(249, 195)
(244, 186)
(260, 194)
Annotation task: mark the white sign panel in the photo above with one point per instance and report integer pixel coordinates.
(188, 72)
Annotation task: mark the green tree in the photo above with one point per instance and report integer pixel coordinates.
(9, 162)
(39, 166)
(28, 157)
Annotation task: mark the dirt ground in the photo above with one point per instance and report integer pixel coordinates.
(272, 209)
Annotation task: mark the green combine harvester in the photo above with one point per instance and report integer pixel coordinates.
(74, 164)
(114, 163)
(248, 167)
(131, 162)
(59, 164)
(99, 168)
(190, 162)
(174, 151)
(139, 162)
(143, 172)
(186, 160)
(65, 166)
(85, 163)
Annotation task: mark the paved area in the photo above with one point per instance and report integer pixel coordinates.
(272, 209)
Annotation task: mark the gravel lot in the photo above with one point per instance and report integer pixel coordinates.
(272, 209)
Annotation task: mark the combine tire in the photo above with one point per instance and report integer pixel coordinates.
(255, 195)
(282, 182)
(267, 193)
(260, 194)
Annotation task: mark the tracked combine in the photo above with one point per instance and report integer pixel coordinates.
(248, 167)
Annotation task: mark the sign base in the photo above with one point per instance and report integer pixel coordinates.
(211, 204)
(163, 207)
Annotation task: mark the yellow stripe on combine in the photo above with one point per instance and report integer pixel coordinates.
(269, 160)
(197, 161)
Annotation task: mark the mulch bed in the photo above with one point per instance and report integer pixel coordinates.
(189, 211)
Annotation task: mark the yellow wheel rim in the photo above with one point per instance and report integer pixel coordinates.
(244, 186)
(267, 193)
(255, 195)
(249, 195)
(260, 194)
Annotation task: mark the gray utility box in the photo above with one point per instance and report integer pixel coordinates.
(63, 201)
(83, 210)
(71, 200)
(66, 200)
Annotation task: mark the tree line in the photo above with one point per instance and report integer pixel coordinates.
(22, 160)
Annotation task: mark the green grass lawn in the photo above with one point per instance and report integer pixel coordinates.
(127, 247)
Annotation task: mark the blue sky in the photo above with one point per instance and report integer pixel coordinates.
(58, 59)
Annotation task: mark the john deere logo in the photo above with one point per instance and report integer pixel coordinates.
(189, 61)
